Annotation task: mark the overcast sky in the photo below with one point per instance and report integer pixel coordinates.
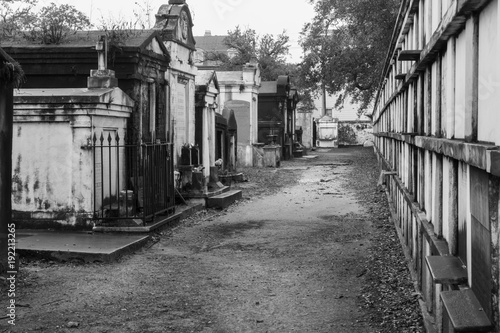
(218, 16)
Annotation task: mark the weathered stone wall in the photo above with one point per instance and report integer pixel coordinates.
(182, 106)
(181, 78)
(53, 173)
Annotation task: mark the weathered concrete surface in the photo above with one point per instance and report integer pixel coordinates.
(53, 171)
(84, 246)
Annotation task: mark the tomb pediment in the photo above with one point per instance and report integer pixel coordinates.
(207, 79)
(175, 23)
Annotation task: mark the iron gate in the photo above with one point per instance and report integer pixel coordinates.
(131, 181)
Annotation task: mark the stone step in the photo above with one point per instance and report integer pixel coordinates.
(464, 312)
(224, 199)
(447, 270)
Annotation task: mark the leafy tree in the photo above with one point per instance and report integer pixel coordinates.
(54, 22)
(345, 46)
(50, 25)
(14, 16)
(270, 52)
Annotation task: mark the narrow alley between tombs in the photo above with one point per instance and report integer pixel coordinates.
(310, 248)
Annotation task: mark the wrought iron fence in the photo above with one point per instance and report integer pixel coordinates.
(132, 181)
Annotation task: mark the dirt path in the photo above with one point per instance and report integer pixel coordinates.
(292, 261)
(282, 263)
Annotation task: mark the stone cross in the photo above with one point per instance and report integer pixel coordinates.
(102, 53)
(102, 77)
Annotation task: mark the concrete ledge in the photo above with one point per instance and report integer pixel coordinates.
(181, 212)
(66, 246)
(484, 156)
(447, 270)
(224, 200)
(208, 194)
